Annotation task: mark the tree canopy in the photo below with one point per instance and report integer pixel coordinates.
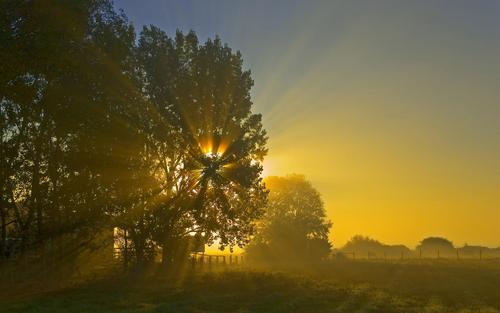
(102, 127)
(294, 226)
(367, 247)
(434, 244)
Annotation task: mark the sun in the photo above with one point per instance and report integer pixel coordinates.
(213, 145)
(213, 154)
(266, 168)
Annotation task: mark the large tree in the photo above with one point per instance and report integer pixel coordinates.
(294, 227)
(98, 130)
(206, 144)
(68, 112)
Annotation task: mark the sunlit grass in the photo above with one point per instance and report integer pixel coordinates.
(331, 287)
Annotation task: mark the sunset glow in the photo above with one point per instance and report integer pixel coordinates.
(394, 120)
(250, 156)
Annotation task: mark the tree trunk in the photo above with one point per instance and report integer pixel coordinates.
(36, 207)
(139, 248)
(168, 252)
(36, 195)
(3, 242)
(54, 178)
(166, 255)
(3, 197)
(125, 250)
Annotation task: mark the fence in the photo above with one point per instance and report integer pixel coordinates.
(202, 260)
(32, 267)
(456, 254)
(196, 259)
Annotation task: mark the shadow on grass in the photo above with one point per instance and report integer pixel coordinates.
(256, 291)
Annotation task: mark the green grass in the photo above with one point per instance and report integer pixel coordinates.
(331, 287)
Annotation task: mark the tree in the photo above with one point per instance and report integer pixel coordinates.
(205, 143)
(98, 130)
(68, 112)
(436, 245)
(363, 246)
(294, 227)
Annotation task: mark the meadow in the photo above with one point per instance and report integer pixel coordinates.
(334, 286)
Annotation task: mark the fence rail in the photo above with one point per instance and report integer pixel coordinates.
(420, 254)
(201, 259)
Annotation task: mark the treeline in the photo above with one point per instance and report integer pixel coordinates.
(102, 127)
(430, 247)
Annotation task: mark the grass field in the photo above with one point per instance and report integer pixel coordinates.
(360, 286)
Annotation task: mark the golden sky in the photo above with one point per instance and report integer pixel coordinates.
(390, 108)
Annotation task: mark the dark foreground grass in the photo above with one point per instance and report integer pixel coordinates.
(333, 287)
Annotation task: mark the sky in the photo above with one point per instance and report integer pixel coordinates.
(390, 108)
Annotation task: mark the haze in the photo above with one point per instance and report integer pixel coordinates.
(390, 109)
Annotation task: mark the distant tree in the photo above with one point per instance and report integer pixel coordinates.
(474, 250)
(294, 227)
(365, 246)
(436, 245)
(361, 245)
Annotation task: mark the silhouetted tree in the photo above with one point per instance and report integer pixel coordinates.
(436, 245)
(363, 246)
(294, 227)
(205, 143)
(68, 106)
(98, 130)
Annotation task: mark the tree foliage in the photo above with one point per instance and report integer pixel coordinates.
(100, 130)
(294, 227)
(434, 244)
(363, 247)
